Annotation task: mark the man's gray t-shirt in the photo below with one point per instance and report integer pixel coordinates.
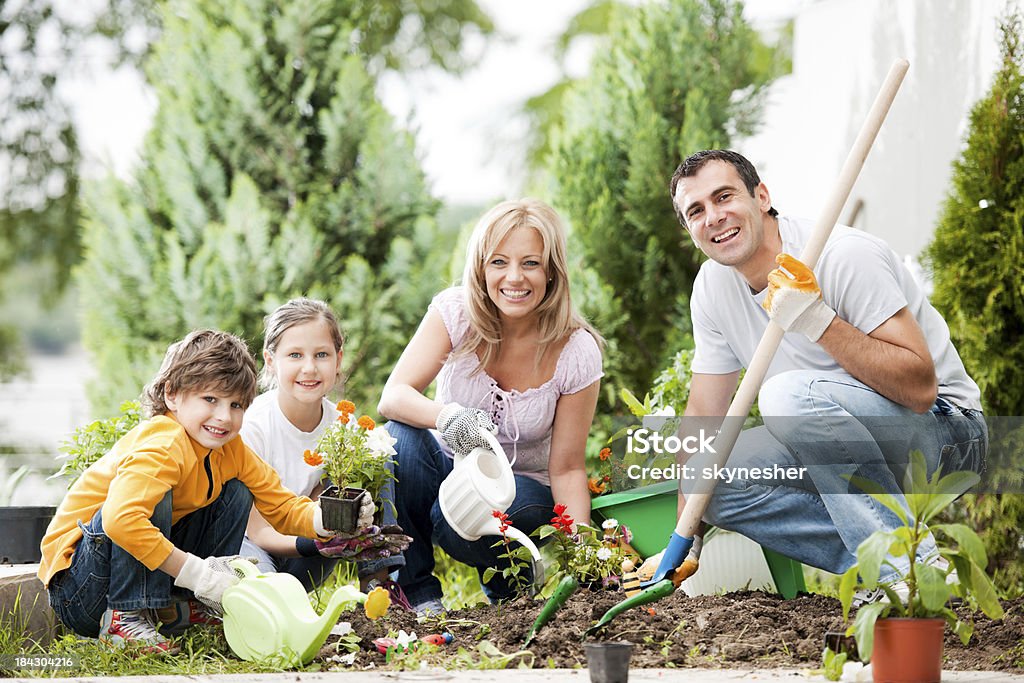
(860, 277)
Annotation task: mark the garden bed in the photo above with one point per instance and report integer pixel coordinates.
(736, 630)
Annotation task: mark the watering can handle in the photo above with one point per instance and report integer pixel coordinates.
(492, 443)
(244, 566)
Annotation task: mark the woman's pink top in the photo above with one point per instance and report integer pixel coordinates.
(524, 418)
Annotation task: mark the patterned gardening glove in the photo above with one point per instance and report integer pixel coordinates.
(461, 427)
(370, 543)
(794, 299)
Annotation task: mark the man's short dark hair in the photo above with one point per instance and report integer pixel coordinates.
(692, 164)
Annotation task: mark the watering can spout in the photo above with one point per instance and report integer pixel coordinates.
(537, 564)
(342, 597)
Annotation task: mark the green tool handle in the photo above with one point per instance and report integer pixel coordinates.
(648, 595)
(566, 587)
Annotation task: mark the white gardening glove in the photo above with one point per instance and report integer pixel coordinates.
(460, 427)
(209, 578)
(794, 299)
(687, 569)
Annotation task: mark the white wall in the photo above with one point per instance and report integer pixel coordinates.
(842, 51)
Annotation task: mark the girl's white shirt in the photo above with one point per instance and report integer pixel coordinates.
(281, 444)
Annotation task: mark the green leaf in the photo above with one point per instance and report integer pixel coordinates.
(632, 403)
(968, 541)
(879, 494)
(947, 490)
(864, 627)
(847, 586)
(489, 574)
(931, 587)
(870, 554)
(985, 593)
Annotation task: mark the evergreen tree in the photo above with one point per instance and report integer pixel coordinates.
(975, 261)
(978, 249)
(271, 171)
(676, 77)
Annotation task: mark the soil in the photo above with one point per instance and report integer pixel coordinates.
(737, 630)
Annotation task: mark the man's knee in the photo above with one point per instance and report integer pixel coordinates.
(783, 394)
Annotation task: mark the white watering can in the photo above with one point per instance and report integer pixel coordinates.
(479, 484)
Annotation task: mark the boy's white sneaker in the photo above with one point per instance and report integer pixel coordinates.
(120, 628)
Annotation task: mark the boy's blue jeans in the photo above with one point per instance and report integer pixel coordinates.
(104, 576)
(422, 466)
(835, 425)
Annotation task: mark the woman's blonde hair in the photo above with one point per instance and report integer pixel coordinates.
(556, 317)
(296, 312)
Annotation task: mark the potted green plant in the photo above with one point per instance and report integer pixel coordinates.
(913, 620)
(356, 456)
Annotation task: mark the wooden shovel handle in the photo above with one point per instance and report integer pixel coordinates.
(697, 502)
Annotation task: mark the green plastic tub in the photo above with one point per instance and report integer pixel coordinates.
(650, 514)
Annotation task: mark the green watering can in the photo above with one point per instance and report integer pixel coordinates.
(269, 616)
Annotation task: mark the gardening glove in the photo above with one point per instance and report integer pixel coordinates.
(461, 427)
(794, 299)
(209, 578)
(678, 561)
(370, 543)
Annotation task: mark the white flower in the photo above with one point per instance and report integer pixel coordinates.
(604, 553)
(609, 524)
(667, 411)
(380, 442)
(342, 628)
(403, 639)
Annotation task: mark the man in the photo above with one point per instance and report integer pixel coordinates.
(865, 373)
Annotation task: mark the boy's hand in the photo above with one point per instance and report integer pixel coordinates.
(366, 510)
(208, 579)
(794, 299)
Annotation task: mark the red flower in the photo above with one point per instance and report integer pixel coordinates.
(562, 521)
(503, 520)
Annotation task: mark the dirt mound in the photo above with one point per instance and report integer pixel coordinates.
(744, 629)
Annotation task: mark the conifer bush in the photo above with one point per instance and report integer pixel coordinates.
(975, 260)
(271, 171)
(675, 77)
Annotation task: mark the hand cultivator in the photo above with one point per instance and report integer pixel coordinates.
(697, 502)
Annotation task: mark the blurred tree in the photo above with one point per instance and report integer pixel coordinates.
(46, 42)
(271, 171)
(975, 261)
(676, 77)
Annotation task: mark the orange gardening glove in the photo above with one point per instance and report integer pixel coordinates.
(794, 299)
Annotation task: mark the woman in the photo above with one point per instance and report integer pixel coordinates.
(510, 354)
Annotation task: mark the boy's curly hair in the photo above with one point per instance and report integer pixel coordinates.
(205, 360)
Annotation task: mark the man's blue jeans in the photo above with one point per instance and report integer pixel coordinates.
(835, 425)
(104, 576)
(422, 466)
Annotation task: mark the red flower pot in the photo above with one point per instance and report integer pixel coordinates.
(908, 651)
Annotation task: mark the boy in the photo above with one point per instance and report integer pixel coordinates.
(175, 489)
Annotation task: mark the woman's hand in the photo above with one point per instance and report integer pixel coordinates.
(461, 427)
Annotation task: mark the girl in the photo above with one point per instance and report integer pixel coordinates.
(302, 351)
(511, 355)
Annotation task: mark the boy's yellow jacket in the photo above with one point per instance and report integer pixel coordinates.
(156, 457)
